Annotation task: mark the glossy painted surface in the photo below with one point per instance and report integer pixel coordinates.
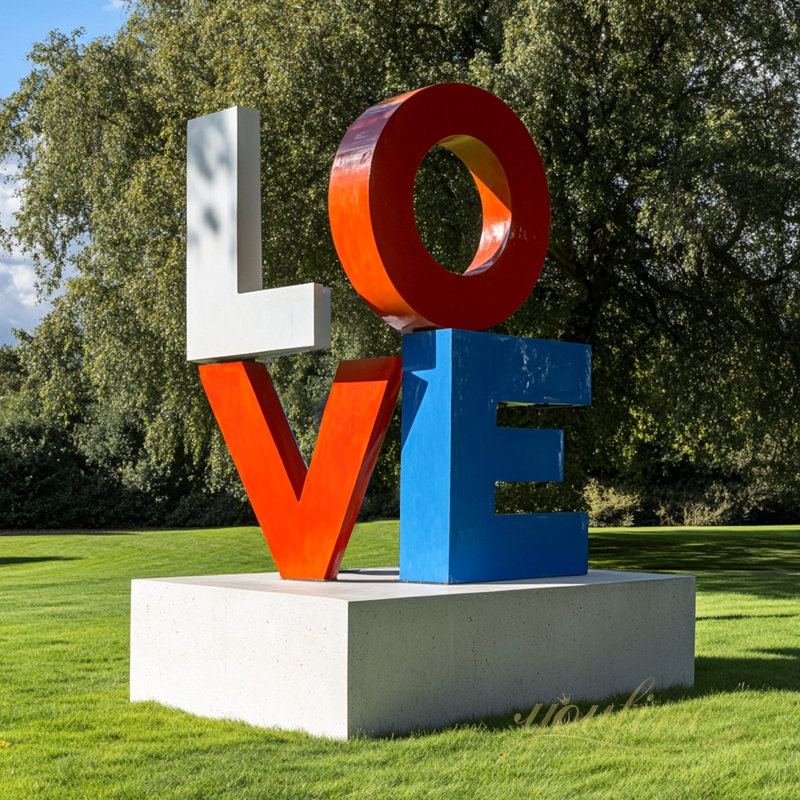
(307, 515)
(454, 452)
(371, 208)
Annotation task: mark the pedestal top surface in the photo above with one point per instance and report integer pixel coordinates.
(383, 583)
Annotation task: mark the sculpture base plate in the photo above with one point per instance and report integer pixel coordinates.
(368, 654)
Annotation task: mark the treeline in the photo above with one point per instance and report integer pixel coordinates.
(669, 131)
(52, 475)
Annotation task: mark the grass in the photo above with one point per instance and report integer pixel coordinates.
(71, 732)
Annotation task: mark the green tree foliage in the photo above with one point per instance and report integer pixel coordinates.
(670, 135)
(52, 475)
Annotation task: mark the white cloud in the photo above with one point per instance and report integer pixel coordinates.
(18, 275)
(18, 302)
(8, 203)
(116, 5)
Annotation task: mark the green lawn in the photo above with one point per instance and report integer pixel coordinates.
(71, 732)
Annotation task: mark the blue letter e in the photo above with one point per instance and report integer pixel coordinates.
(454, 453)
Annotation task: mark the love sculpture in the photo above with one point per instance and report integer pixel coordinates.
(475, 621)
(453, 377)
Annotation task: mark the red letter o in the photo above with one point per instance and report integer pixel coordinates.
(371, 207)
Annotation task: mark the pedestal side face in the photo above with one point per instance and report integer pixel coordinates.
(428, 662)
(371, 654)
(261, 657)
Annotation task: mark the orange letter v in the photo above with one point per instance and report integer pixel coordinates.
(307, 515)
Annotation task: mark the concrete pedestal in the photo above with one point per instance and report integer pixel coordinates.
(369, 654)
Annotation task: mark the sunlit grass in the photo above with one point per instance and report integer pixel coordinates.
(71, 732)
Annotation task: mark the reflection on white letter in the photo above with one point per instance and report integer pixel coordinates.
(229, 315)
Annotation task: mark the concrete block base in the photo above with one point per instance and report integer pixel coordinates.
(367, 654)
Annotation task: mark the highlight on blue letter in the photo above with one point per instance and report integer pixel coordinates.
(453, 454)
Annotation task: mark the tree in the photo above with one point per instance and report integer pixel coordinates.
(670, 136)
(669, 132)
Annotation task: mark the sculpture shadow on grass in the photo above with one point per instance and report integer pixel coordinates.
(778, 669)
(772, 586)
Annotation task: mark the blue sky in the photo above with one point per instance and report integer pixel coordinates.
(22, 23)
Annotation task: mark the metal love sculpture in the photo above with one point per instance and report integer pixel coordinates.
(453, 378)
